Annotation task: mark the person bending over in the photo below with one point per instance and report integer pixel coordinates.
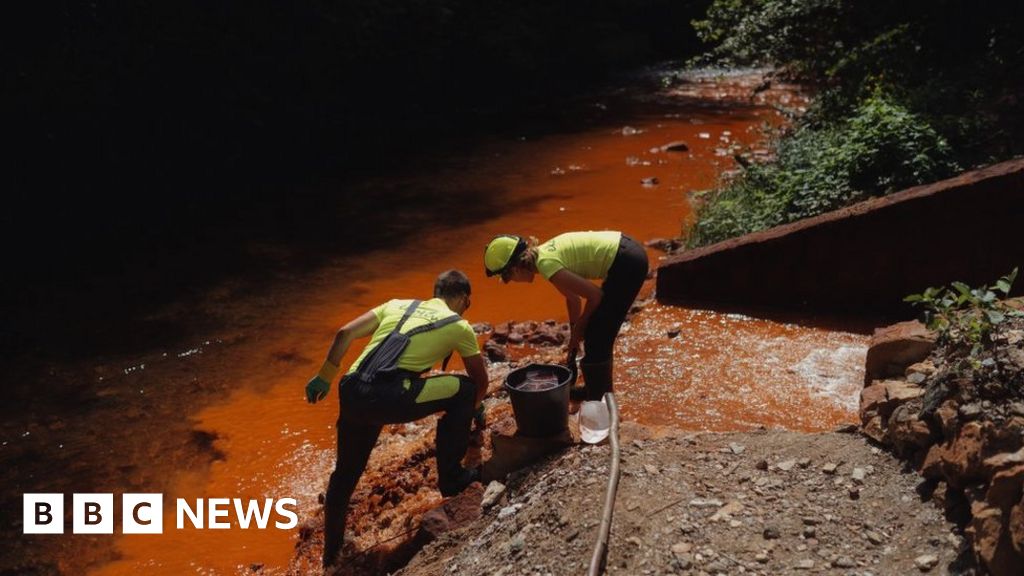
(570, 261)
(385, 385)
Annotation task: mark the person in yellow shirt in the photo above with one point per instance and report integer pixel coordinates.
(570, 261)
(385, 386)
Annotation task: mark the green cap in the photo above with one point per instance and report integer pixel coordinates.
(501, 252)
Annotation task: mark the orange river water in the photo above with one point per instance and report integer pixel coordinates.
(722, 372)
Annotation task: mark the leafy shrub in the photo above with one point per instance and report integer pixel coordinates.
(908, 91)
(881, 148)
(796, 33)
(966, 318)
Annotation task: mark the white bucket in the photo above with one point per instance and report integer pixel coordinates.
(594, 421)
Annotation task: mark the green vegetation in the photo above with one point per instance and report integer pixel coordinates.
(907, 93)
(881, 148)
(965, 318)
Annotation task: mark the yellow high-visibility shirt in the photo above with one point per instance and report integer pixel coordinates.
(588, 254)
(426, 349)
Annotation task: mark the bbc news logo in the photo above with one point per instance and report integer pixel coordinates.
(144, 513)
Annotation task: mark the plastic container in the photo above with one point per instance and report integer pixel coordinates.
(595, 420)
(540, 399)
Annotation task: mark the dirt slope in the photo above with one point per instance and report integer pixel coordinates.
(738, 503)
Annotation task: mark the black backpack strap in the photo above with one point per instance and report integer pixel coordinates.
(385, 356)
(434, 325)
(408, 312)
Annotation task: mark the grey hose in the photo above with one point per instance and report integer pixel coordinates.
(597, 560)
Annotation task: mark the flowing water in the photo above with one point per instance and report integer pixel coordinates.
(687, 368)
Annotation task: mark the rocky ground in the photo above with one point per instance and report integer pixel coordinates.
(957, 417)
(930, 483)
(742, 503)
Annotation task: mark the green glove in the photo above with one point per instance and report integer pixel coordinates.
(320, 385)
(317, 389)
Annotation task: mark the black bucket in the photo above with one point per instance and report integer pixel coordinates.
(540, 413)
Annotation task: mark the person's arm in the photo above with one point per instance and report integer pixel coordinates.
(572, 305)
(361, 327)
(320, 385)
(573, 287)
(477, 372)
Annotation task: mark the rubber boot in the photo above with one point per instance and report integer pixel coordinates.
(597, 379)
(458, 482)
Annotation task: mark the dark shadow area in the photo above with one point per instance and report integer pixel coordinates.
(113, 311)
(74, 304)
(156, 144)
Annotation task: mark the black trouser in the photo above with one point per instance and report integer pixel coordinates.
(366, 407)
(620, 287)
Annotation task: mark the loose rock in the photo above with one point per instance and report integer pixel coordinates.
(786, 465)
(492, 494)
(926, 562)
